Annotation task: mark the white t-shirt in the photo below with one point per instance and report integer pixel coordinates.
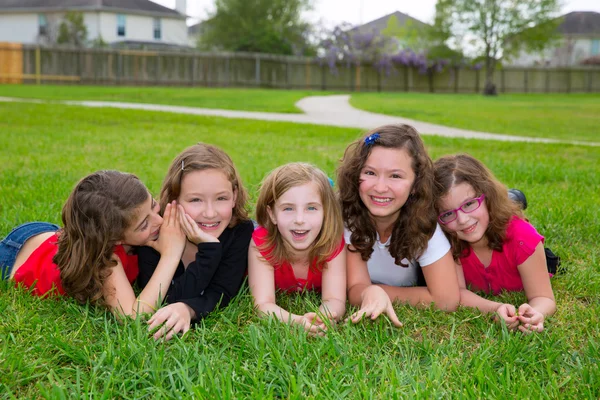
(383, 269)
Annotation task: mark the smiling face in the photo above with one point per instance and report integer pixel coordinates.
(208, 197)
(470, 227)
(298, 214)
(145, 226)
(386, 181)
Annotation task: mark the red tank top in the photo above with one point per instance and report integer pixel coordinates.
(285, 279)
(39, 269)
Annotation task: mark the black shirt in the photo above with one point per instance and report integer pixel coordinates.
(214, 278)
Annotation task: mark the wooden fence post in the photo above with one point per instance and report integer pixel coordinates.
(257, 70)
(38, 65)
(590, 77)
(456, 75)
(307, 75)
(227, 71)
(502, 81)
(406, 72)
(569, 80)
(323, 78)
(477, 81)
(525, 81)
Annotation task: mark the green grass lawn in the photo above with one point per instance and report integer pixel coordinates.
(55, 348)
(557, 116)
(270, 100)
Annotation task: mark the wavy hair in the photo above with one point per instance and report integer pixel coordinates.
(417, 220)
(275, 184)
(95, 217)
(200, 157)
(450, 171)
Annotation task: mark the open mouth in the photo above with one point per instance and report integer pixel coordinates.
(213, 225)
(299, 235)
(382, 201)
(470, 229)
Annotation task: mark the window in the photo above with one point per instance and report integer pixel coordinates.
(156, 29)
(595, 47)
(120, 25)
(43, 24)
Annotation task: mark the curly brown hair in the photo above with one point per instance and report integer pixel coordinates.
(275, 184)
(95, 217)
(453, 170)
(417, 220)
(200, 157)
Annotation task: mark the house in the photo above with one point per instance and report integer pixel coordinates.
(131, 23)
(580, 41)
(402, 27)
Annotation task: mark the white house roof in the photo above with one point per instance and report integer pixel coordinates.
(144, 7)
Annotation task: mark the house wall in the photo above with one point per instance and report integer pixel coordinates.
(23, 28)
(570, 52)
(19, 28)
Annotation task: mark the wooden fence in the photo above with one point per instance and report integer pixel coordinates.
(33, 64)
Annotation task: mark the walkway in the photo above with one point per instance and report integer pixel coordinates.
(318, 110)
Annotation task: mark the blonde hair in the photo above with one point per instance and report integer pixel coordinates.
(200, 157)
(275, 184)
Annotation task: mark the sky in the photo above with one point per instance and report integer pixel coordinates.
(332, 12)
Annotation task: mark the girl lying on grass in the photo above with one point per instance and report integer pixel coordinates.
(386, 193)
(299, 245)
(213, 262)
(494, 247)
(90, 257)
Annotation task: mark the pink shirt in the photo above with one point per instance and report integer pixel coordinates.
(40, 270)
(285, 279)
(502, 273)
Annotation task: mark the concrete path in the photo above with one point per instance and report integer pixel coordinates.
(318, 110)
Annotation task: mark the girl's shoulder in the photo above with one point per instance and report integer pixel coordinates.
(259, 235)
(520, 229)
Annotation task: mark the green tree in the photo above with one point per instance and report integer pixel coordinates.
(262, 26)
(496, 29)
(72, 30)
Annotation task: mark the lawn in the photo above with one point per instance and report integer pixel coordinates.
(557, 116)
(281, 101)
(58, 349)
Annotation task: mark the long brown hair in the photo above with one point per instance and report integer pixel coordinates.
(275, 184)
(417, 220)
(201, 157)
(453, 170)
(95, 217)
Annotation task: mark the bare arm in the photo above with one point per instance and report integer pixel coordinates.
(442, 287)
(334, 287)
(261, 279)
(118, 292)
(371, 299)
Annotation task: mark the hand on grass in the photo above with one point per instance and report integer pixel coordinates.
(171, 320)
(375, 301)
(312, 324)
(530, 319)
(508, 314)
(192, 231)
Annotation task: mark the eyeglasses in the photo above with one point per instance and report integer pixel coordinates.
(467, 207)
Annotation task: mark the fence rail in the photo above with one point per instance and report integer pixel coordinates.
(33, 64)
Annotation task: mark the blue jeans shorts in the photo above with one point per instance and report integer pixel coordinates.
(12, 243)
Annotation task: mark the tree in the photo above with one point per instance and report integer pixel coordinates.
(72, 30)
(497, 29)
(262, 26)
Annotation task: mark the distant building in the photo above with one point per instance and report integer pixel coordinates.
(124, 23)
(580, 40)
(402, 21)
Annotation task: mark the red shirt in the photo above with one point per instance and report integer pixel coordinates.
(285, 279)
(39, 269)
(502, 273)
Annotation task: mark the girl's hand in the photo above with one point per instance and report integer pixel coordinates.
(374, 302)
(174, 318)
(312, 324)
(508, 314)
(171, 239)
(192, 231)
(531, 320)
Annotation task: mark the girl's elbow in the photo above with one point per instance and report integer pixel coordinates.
(448, 302)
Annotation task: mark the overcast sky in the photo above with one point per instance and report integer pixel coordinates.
(361, 11)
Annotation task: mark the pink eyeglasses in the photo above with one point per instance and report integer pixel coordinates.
(467, 207)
